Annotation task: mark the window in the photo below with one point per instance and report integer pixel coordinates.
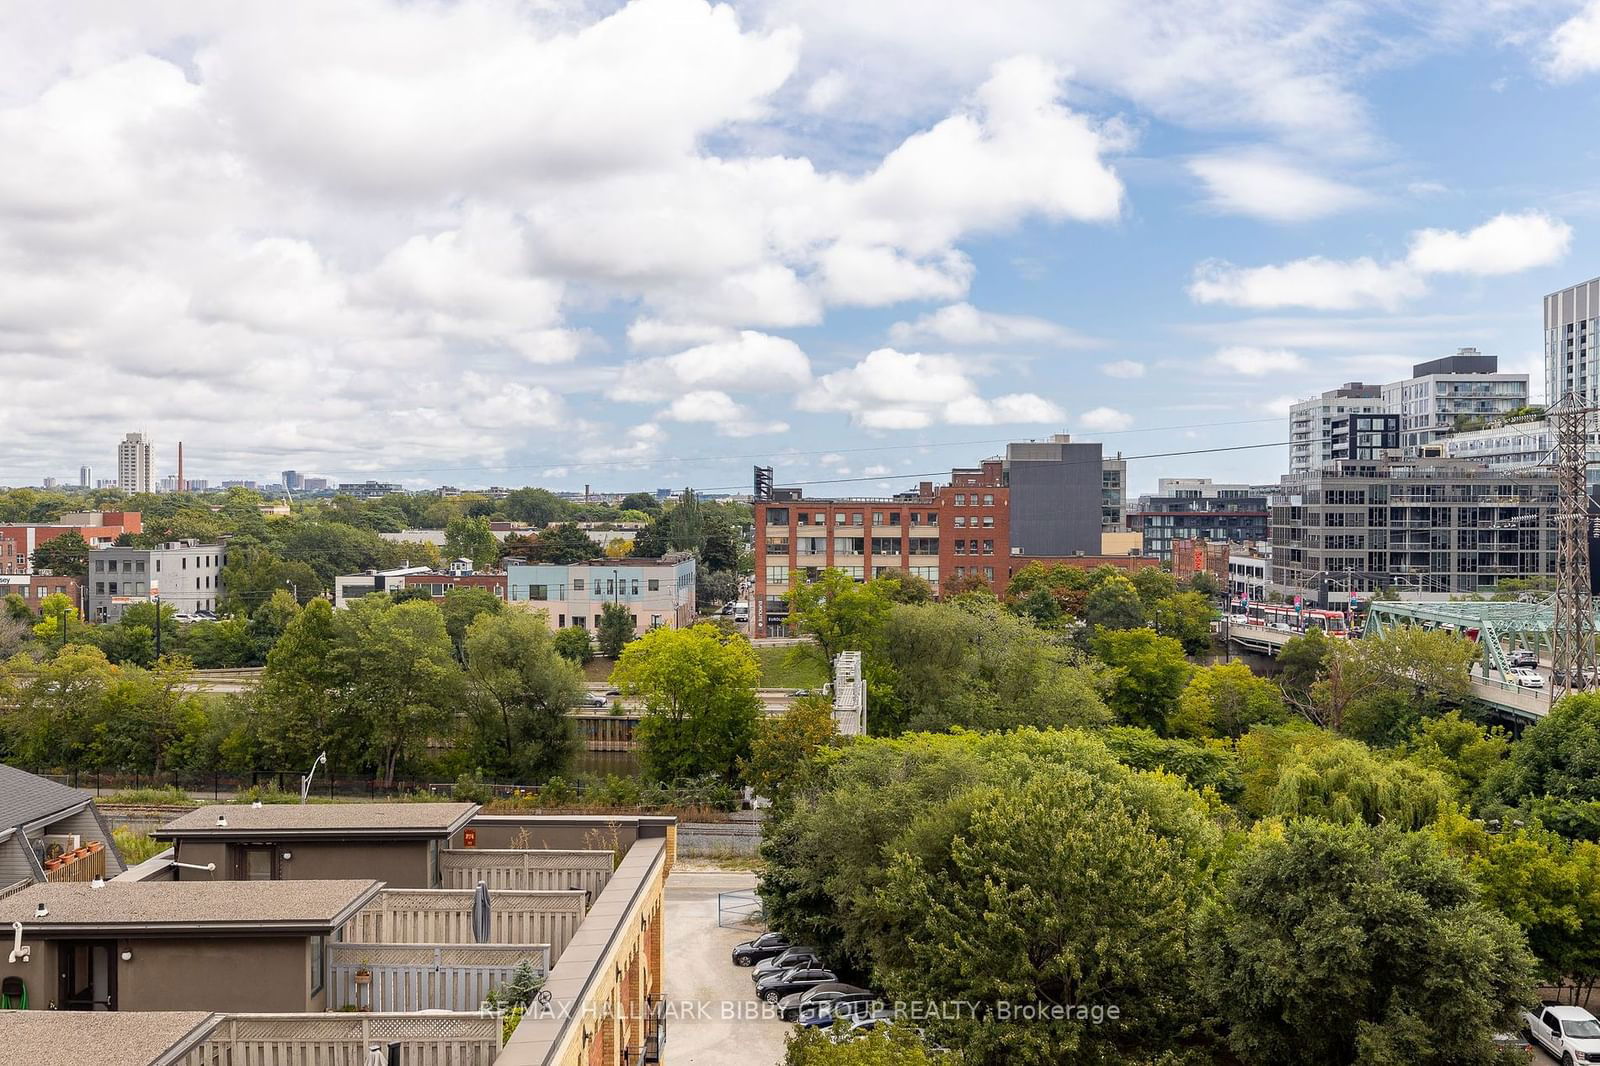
(877, 518)
(961, 499)
(988, 521)
(138, 567)
(961, 521)
(99, 588)
(777, 575)
(988, 500)
(634, 588)
(577, 584)
(539, 592)
(319, 944)
(933, 518)
(127, 566)
(777, 516)
(988, 547)
(894, 518)
(611, 586)
(654, 584)
(184, 563)
(961, 547)
(113, 588)
(99, 566)
(855, 519)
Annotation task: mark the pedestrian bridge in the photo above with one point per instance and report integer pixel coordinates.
(1514, 702)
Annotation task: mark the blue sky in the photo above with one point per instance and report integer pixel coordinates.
(570, 242)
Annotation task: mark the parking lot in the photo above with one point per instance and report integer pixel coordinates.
(715, 1018)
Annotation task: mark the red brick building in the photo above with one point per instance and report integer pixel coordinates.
(1190, 556)
(18, 540)
(33, 588)
(438, 585)
(937, 533)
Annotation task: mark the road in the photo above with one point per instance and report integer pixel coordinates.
(715, 1018)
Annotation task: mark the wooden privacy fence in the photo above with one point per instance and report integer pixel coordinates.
(343, 1040)
(527, 869)
(411, 977)
(444, 916)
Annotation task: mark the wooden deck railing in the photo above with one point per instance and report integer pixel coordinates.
(413, 977)
(527, 869)
(344, 1040)
(79, 867)
(444, 916)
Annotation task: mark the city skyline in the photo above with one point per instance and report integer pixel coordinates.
(856, 233)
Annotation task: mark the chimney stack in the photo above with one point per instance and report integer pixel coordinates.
(181, 485)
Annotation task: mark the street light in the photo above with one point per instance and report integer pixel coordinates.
(293, 588)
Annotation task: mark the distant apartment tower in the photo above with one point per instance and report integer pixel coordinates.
(85, 477)
(1460, 391)
(1196, 509)
(1311, 422)
(135, 464)
(1571, 322)
(293, 481)
(1369, 437)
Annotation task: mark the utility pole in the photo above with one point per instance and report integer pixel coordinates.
(1573, 653)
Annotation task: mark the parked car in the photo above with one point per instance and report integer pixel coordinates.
(594, 699)
(775, 986)
(1571, 1034)
(861, 1025)
(1281, 627)
(848, 1008)
(763, 947)
(789, 1006)
(1524, 657)
(1525, 678)
(1513, 1042)
(788, 960)
(613, 692)
(799, 692)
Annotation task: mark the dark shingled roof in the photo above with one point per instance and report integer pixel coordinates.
(323, 819)
(27, 798)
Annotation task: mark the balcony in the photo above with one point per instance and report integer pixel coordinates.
(82, 864)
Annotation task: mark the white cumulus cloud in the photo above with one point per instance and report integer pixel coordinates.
(1505, 244)
(1257, 362)
(1574, 47)
(1123, 368)
(963, 325)
(1267, 185)
(890, 389)
(1105, 419)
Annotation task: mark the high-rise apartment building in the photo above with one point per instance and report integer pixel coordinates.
(1311, 422)
(1427, 527)
(293, 481)
(1198, 509)
(1571, 322)
(135, 464)
(1113, 493)
(1457, 392)
(85, 477)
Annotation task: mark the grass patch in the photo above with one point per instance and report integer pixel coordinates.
(598, 669)
(781, 668)
(136, 847)
(152, 797)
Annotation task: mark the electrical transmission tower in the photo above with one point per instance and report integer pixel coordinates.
(1573, 644)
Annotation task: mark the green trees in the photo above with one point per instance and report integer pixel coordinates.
(977, 666)
(1012, 910)
(574, 644)
(565, 543)
(471, 538)
(1149, 674)
(783, 746)
(985, 867)
(253, 574)
(66, 555)
(400, 676)
(1298, 771)
(1376, 689)
(614, 629)
(464, 605)
(1554, 770)
(1347, 944)
(896, 1046)
(698, 688)
(519, 690)
(1114, 604)
(1224, 701)
(300, 689)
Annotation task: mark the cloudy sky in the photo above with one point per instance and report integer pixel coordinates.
(570, 241)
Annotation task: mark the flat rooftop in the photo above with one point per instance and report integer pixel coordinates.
(287, 906)
(108, 1038)
(322, 819)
